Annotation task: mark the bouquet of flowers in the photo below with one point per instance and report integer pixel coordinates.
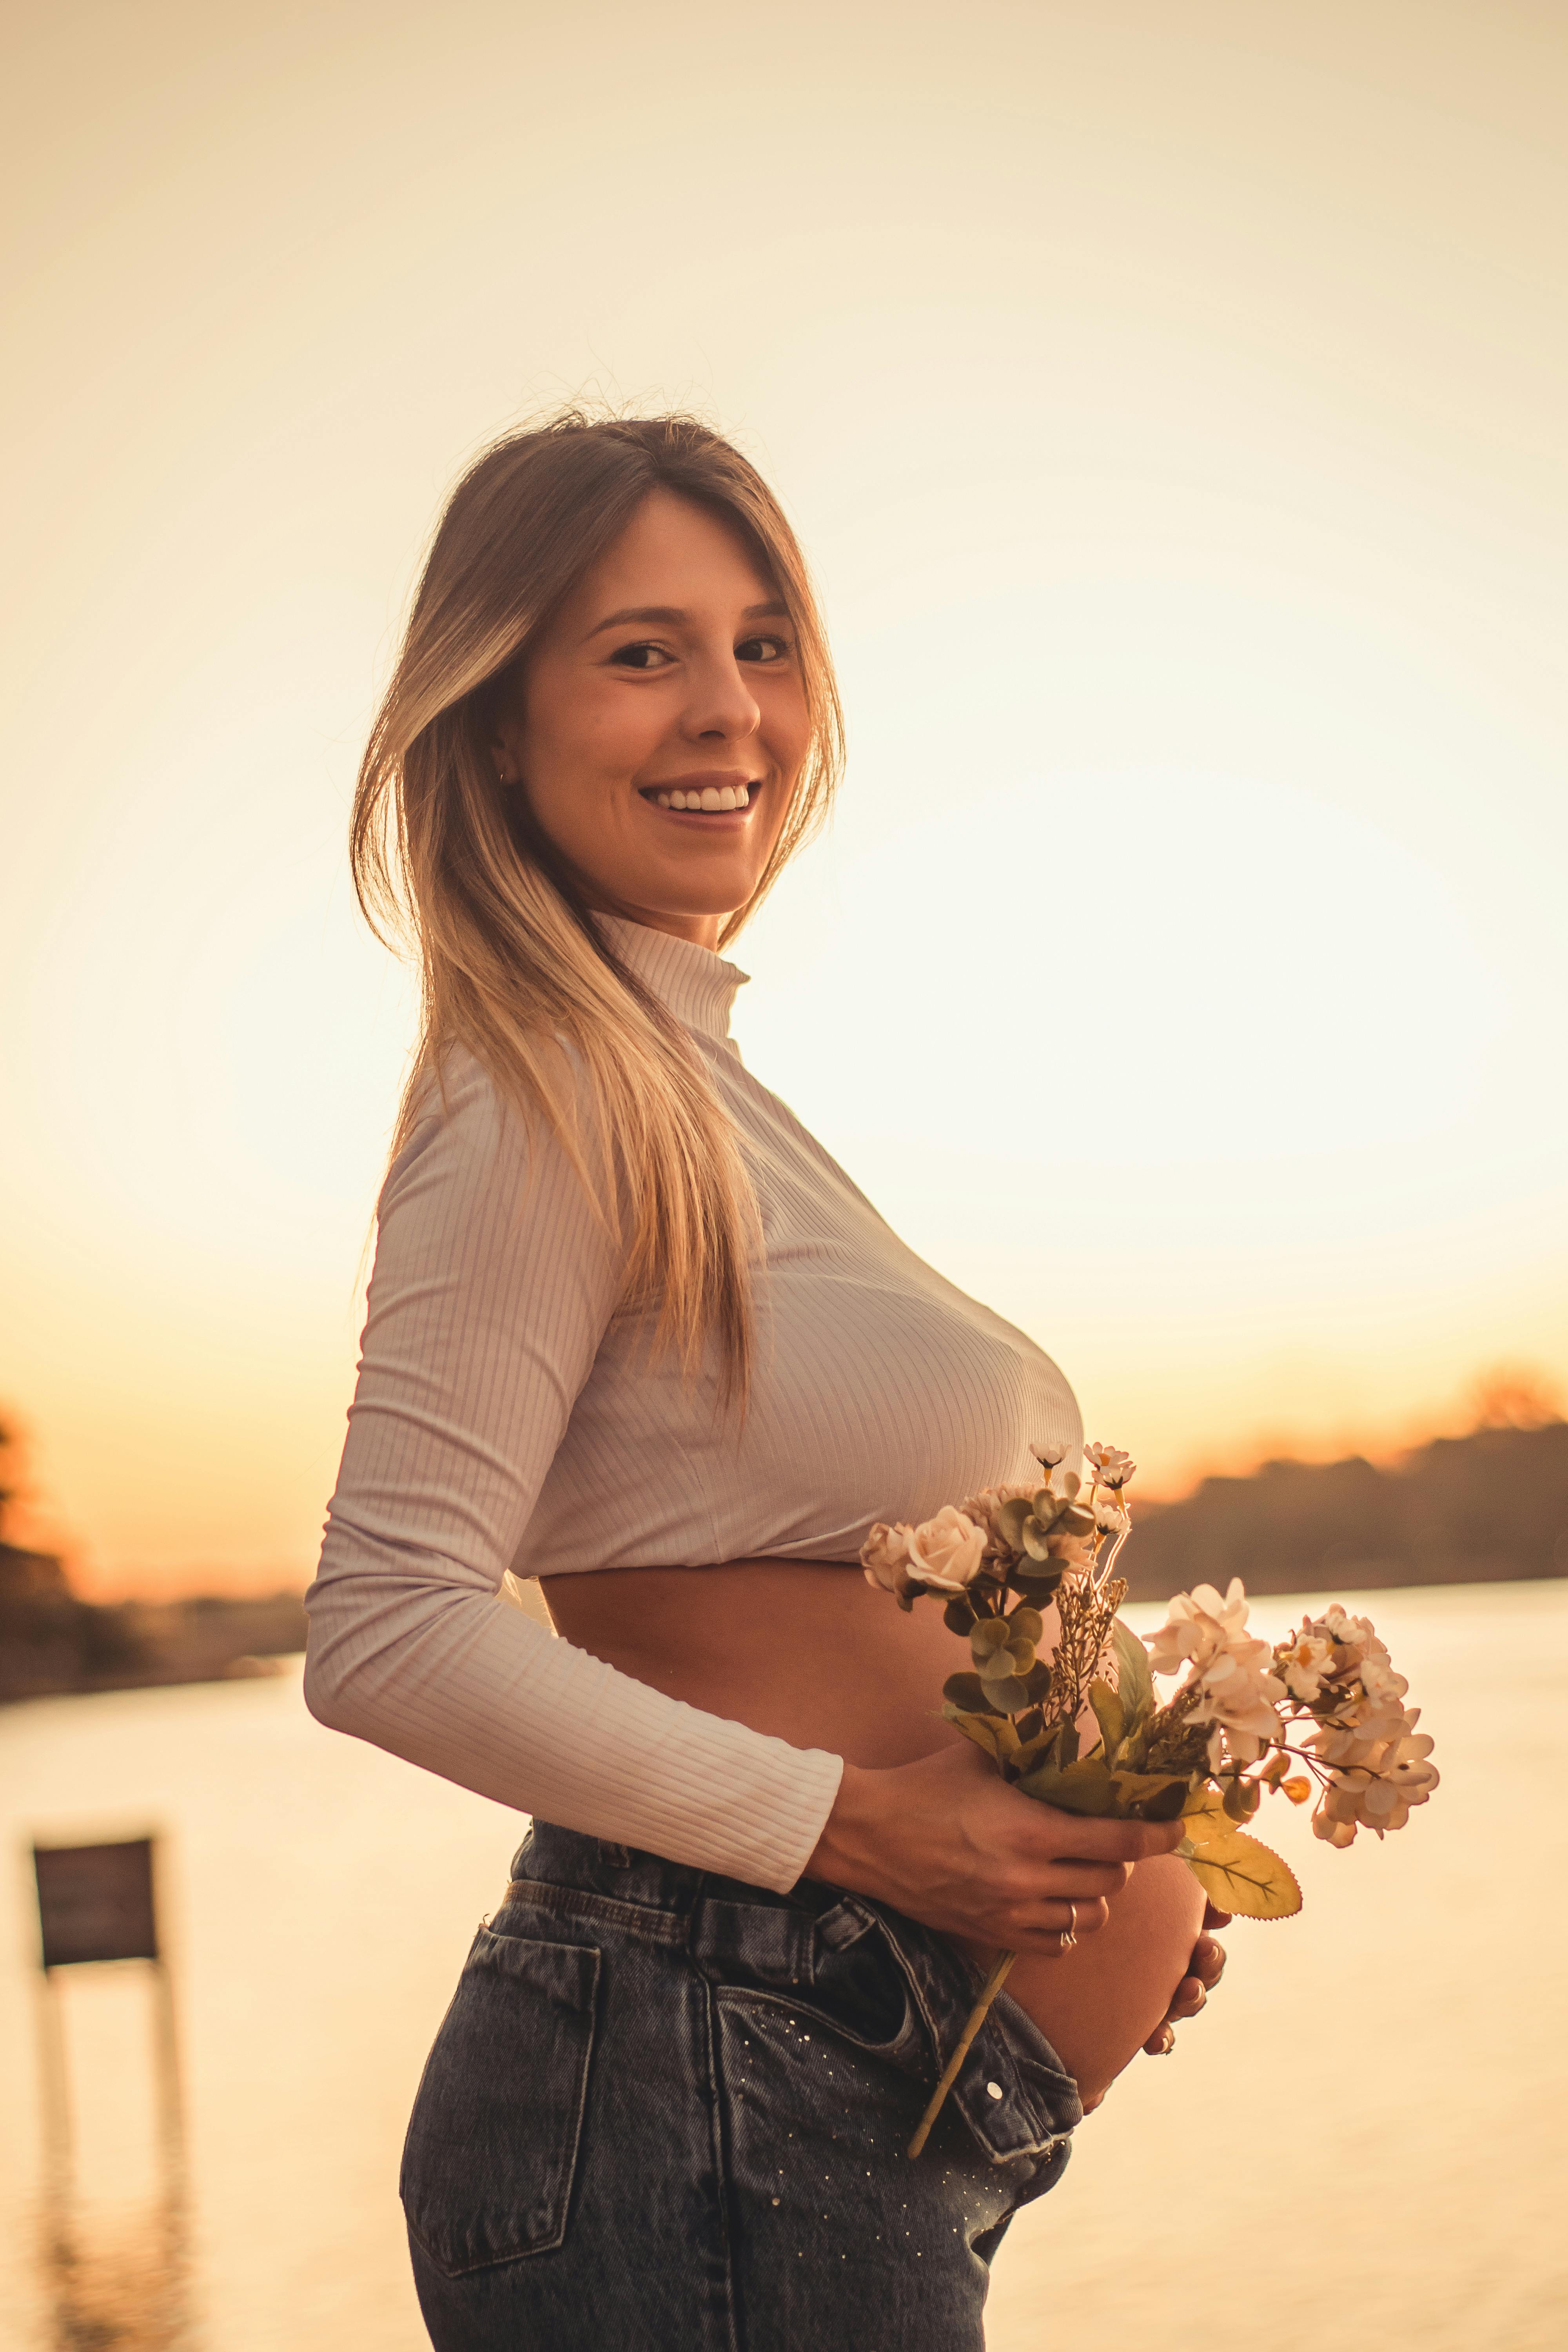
(1061, 1696)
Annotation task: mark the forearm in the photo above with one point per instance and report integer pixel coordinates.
(465, 1685)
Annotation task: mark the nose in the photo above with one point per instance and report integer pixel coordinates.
(721, 707)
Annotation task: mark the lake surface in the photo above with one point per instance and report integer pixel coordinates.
(1361, 2141)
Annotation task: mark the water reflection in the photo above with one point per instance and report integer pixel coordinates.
(115, 2269)
(118, 2287)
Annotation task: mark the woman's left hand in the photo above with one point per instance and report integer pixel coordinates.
(1205, 1971)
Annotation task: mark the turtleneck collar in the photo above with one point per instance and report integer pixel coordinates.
(694, 983)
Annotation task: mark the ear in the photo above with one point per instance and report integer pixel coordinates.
(503, 746)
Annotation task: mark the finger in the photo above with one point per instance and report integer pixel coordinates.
(1084, 1882)
(1213, 1918)
(1107, 1841)
(1207, 1962)
(1162, 2042)
(1045, 1933)
(1186, 2001)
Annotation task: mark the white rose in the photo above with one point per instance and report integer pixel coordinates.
(945, 1553)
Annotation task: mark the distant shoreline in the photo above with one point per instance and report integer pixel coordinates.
(1488, 1508)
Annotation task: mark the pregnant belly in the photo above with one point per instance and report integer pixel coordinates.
(809, 1652)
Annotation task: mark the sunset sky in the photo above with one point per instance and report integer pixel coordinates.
(1170, 400)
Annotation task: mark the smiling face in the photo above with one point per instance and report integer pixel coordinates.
(662, 723)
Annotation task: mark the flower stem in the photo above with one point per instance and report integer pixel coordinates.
(976, 2018)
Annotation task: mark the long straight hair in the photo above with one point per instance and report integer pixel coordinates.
(512, 966)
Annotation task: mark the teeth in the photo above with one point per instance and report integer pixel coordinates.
(711, 798)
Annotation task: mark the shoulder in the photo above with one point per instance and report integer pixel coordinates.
(461, 1129)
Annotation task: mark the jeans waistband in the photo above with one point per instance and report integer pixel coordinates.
(1012, 2093)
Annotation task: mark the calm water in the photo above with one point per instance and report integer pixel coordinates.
(1361, 2141)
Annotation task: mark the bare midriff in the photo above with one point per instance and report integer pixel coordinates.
(810, 1653)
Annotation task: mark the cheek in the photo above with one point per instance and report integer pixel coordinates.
(577, 745)
(787, 728)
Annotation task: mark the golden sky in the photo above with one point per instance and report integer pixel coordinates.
(1171, 398)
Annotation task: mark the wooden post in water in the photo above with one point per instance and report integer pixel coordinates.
(97, 1904)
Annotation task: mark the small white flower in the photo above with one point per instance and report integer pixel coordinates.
(1231, 1675)
(1379, 1790)
(1112, 1467)
(1110, 1517)
(1303, 1662)
(1199, 1625)
(1049, 1457)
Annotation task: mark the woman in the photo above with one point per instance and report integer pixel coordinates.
(632, 1331)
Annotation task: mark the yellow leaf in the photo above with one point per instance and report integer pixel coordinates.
(1298, 1789)
(992, 1732)
(1239, 1873)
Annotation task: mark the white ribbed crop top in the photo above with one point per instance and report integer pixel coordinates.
(506, 1417)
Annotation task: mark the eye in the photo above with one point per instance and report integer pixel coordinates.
(763, 650)
(640, 657)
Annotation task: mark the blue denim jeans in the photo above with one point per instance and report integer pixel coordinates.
(667, 2113)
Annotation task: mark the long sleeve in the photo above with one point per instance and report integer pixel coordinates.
(493, 1286)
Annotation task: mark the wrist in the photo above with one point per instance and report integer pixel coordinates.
(851, 1835)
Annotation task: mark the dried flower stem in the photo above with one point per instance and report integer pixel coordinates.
(976, 2018)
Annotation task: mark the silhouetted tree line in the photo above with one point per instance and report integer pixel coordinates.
(1461, 1510)
(51, 1641)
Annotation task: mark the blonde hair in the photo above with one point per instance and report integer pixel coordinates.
(512, 966)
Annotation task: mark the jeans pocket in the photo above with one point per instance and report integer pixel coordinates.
(492, 2141)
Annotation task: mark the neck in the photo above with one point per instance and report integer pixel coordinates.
(701, 930)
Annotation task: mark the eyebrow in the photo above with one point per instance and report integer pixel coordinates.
(671, 616)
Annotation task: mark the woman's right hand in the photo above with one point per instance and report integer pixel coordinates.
(948, 1842)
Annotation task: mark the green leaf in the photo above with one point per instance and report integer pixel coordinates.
(1087, 1788)
(1038, 1589)
(996, 1737)
(1026, 1624)
(1134, 1682)
(1152, 1795)
(982, 1730)
(1038, 1680)
(1035, 1750)
(1007, 1693)
(1010, 1522)
(1032, 1538)
(1108, 1715)
(1239, 1873)
(958, 1616)
(967, 1691)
